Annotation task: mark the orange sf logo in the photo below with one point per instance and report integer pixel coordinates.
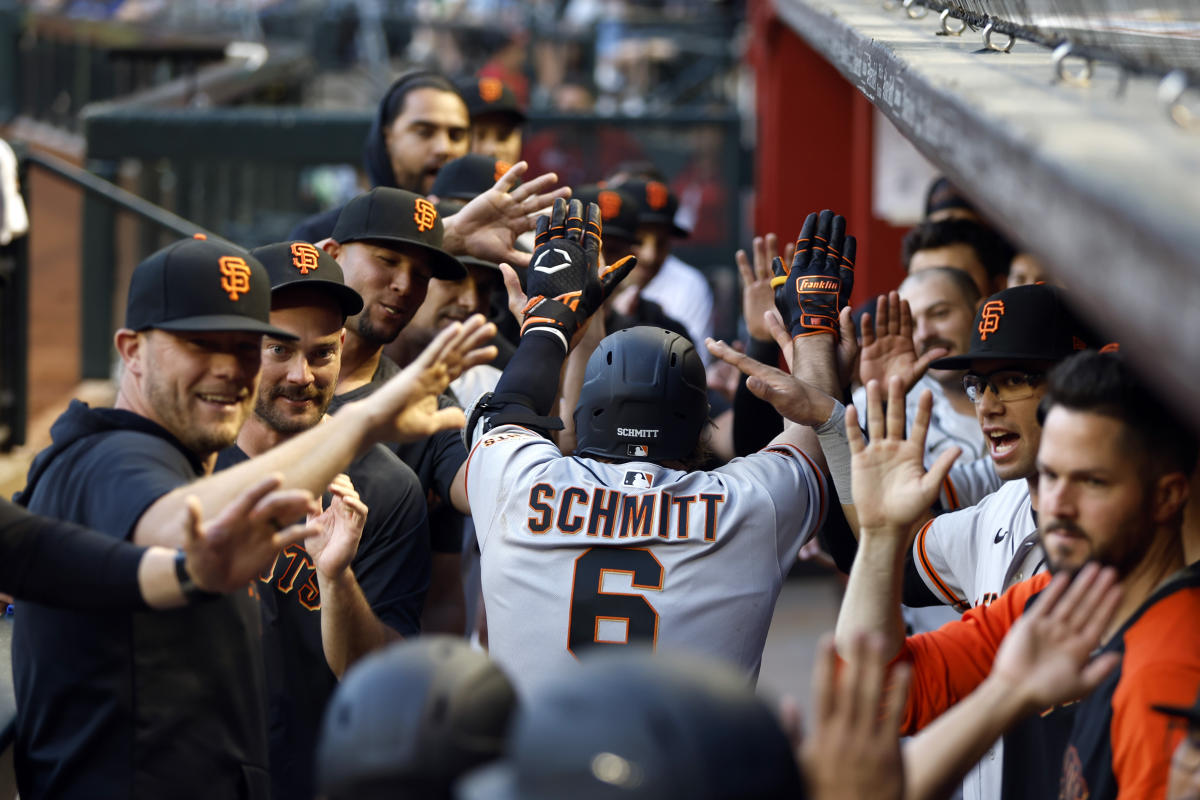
(235, 276)
(610, 204)
(490, 89)
(424, 214)
(501, 168)
(304, 257)
(657, 194)
(989, 318)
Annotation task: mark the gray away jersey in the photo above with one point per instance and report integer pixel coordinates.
(579, 553)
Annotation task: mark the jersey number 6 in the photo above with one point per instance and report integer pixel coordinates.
(597, 615)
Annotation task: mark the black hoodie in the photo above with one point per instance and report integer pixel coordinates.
(376, 162)
(149, 704)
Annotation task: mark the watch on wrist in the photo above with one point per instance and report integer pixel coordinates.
(191, 592)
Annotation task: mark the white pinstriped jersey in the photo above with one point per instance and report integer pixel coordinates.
(580, 553)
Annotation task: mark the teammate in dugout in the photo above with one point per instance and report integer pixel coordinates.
(1114, 467)
(172, 704)
(621, 543)
(360, 583)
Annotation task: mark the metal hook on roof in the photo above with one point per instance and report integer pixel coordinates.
(990, 45)
(1080, 77)
(946, 29)
(912, 14)
(1170, 93)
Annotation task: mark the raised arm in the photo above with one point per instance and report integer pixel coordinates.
(404, 408)
(891, 490)
(488, 226)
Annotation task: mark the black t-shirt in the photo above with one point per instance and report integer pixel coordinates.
(392, 567)
(63, 565)
(150, 704)
(436, 460)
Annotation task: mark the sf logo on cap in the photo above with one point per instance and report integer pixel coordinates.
(610, 204)
(989, 318)
(490, 89)
(657, 194)
(304, 257)
(235, 276)
(501, 168)
(424, 214)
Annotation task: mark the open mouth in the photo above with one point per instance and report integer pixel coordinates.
(224, 401)
(1002, 443)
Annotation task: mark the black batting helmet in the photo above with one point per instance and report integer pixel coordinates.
(411, 719)
(644, 397)
(637, 724)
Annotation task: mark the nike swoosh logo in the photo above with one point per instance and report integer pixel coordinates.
(551, 270)
(1000, 534)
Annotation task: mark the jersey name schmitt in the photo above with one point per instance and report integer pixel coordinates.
(608, 513)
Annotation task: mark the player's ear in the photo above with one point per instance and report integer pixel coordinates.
(1170, 496)
(130, 346)
(330, 246)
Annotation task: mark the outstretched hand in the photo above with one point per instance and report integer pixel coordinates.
(758, 295)
(1047, 655)
(340, 528)
(892, 488)
(793, 398)
(854, 750)
(811, 292)
(887, 345)
(488, 226)
(565, 282)
(406, 407)
(228, 551)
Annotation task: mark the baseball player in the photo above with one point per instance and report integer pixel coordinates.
(172, 704)
(496, 118)
(361, 582)
(621, 544)
(421, 123)
(666, 726)
(1114, 468)
(410, 720)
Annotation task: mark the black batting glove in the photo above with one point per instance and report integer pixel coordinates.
(565, 286)
(811, 293)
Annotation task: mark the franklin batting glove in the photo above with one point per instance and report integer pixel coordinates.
(817, 286)
(565, 285)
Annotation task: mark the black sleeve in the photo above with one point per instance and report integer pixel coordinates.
(392, 565)
(755, 422)
(63, 565)
(837, 539)
(916, 594)
(532, 374)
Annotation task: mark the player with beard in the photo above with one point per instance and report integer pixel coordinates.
(421, 123)
(172, 703)
(1114, 466)
(361, 583)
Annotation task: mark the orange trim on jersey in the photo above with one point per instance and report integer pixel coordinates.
(467, 472)
(951, 494)
(959, 604)
(782, 448)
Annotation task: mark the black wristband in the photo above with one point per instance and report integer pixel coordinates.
(191, 592)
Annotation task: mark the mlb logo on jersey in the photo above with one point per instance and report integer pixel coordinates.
(639, 480)
(637, 451)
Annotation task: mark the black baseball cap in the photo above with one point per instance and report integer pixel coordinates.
(304, 264)
(485, 96)
(467, 177)
(656, 204)
(400, 220)
(199, 284)
(1190, 713)
(618, 209)
(1024, 323)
